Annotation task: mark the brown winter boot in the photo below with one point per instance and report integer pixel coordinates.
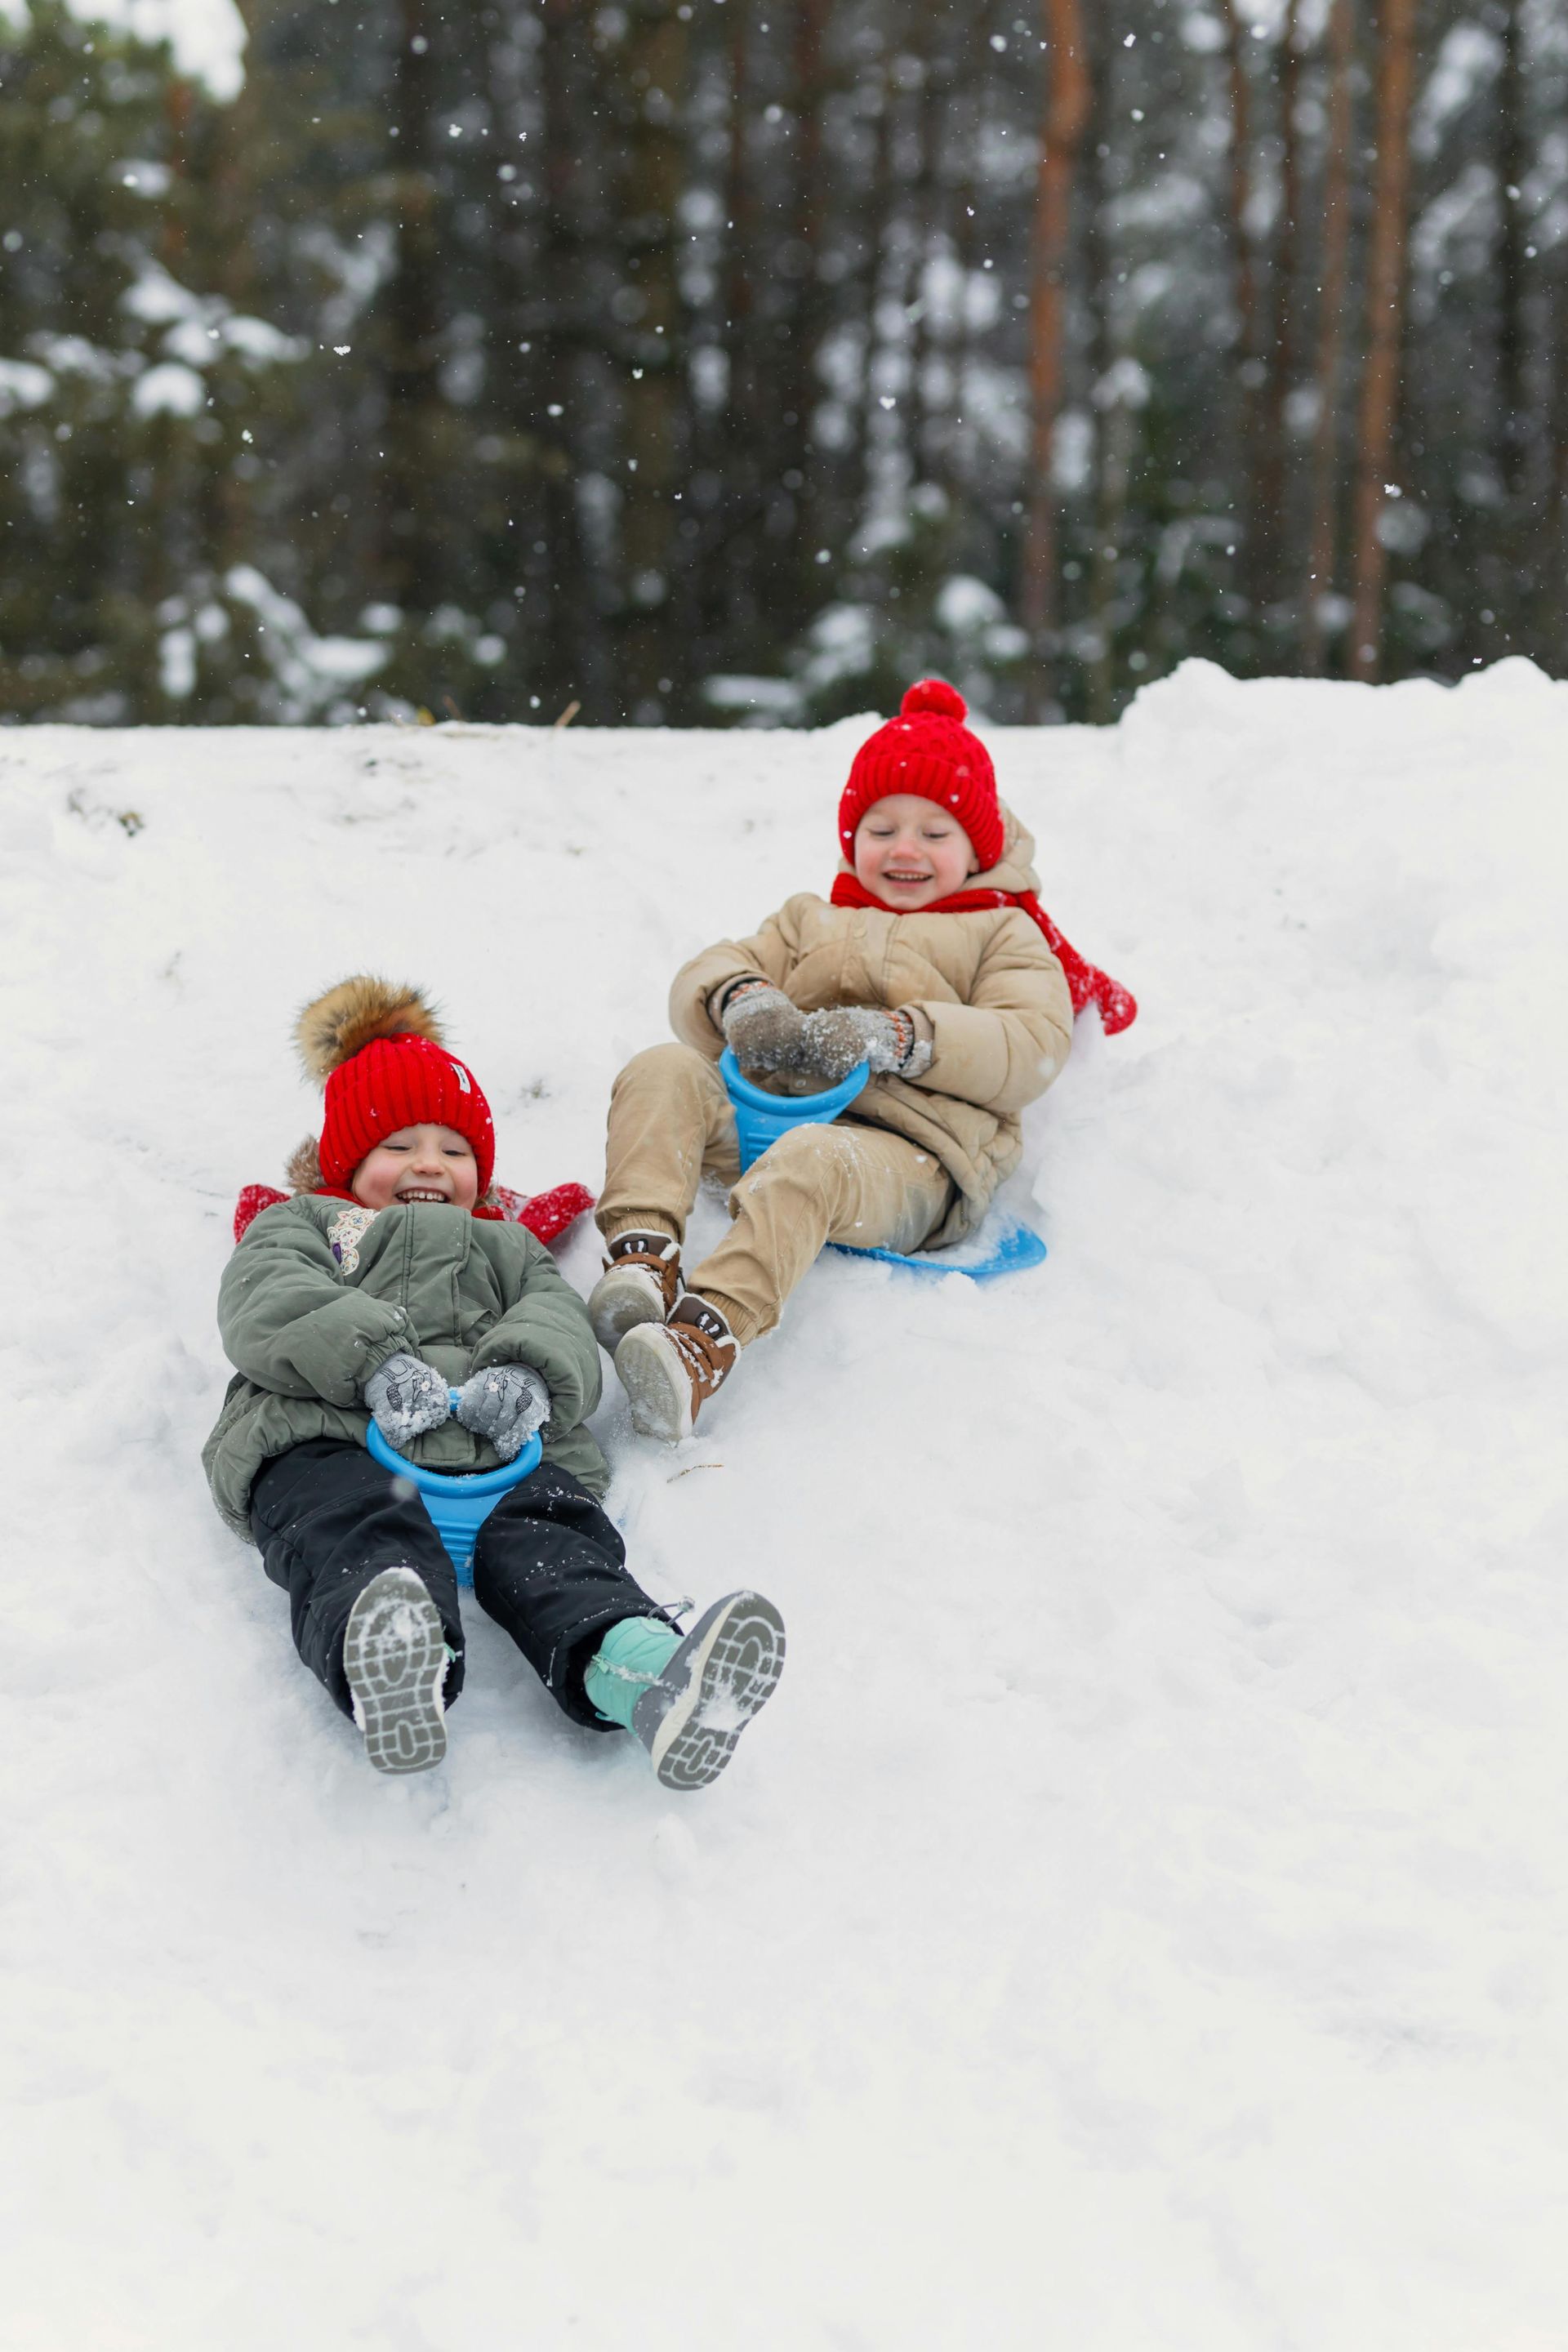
(640, 1284)
(669, 1370)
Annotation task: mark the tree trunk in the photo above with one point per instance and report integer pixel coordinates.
(1555, 535)
(409, 488)
(1066, 119)
(805, 251)
(570, 617)
(1514, 421)
(1240, 185)
(243, 164)
(1272, 520)
(1517, 550)
(1332, 296)
(1106, 330)
(653, 359)
(1384, 323)
(932, 36)
(880, 215)
(969, 106)
(733, 534)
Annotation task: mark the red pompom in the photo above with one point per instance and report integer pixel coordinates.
(935, 695)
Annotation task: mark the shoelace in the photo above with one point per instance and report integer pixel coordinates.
(692, 1354)
(623, 1674)
(630, 1673)
(713, 1328)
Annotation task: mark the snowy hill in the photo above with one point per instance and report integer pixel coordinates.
(1137, 1923)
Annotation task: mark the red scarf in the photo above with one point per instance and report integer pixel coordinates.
(1087, 984)
(546, 1215)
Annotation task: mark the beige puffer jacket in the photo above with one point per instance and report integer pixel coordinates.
(984, 987)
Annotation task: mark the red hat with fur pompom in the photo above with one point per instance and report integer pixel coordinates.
(928, 750)
(379, 1052)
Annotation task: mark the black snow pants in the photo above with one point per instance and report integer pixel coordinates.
(548, 1565)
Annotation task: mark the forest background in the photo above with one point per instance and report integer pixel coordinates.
(688, 361)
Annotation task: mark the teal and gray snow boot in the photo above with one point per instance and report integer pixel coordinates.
(693, 1713)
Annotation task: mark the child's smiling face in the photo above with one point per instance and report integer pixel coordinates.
(909, 851)
(418, 1163)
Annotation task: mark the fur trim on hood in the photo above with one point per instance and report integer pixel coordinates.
(303, 1167)
(332, 1029)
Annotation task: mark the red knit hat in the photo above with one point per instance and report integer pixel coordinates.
(929, 752)
(379, 1052)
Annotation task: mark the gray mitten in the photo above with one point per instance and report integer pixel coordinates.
(763, 1027)
(407, 1397)
(507, 1404)
(839, 1038)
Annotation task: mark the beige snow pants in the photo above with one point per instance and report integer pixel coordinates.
(671, 1124)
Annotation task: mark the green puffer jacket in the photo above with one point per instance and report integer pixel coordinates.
(321, 1292)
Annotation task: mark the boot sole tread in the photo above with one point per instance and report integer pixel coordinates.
(658, 1387)
(738, 1675)
(395, 1655)
(622, 1301)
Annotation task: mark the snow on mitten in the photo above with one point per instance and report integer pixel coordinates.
(839, 1038)
(407, 1397)
(507, 1404)
(761, 1027)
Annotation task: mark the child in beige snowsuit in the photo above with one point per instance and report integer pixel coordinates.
(933, 964)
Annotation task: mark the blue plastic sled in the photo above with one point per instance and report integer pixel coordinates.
(1011, 1249)
(459, 1505)
(761, 1118)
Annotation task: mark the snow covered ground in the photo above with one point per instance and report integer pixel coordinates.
(1139, 1921)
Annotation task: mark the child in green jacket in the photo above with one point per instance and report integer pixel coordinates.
(389, 1280)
